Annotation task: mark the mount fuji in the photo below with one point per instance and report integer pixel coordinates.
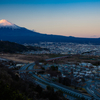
(13, 33)
(4, 23)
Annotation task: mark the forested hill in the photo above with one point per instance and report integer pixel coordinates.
(11, 47)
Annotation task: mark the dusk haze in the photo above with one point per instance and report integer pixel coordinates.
(78, 18)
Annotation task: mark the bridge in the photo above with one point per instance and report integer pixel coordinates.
(56, 58)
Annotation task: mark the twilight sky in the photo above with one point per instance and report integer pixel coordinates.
(79, 18)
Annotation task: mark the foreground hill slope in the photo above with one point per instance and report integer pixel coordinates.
(12, 87)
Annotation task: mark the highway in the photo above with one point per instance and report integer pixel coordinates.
(44, 83)
(90, 90)
(61, 88)
(31, 66)
(44, 86)
(25, 67)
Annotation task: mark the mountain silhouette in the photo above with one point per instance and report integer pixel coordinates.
(14, 33)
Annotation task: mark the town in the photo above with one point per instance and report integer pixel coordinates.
(76, 73)
(66, 48)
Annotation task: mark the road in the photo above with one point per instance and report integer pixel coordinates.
(31, 67)
(90, 89)
(44, 83)
(25, 66)
(61, 88)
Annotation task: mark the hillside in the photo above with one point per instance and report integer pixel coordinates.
(11, 47)
(12, 87)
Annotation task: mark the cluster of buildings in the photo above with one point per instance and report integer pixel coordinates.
(66, 48)
(97, 89)
(78, 73)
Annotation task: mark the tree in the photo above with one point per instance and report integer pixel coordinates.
(59, 92)
(49, 88)
(38, 89)
(52, 67)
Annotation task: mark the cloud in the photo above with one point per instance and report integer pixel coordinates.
(94, 36)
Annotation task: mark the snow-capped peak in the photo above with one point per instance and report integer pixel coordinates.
(5, 23)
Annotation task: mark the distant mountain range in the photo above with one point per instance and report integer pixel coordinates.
(14, 33)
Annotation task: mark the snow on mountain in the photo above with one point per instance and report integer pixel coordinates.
(5, 23)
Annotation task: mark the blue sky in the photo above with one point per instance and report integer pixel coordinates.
(44, 1)
(80, 18)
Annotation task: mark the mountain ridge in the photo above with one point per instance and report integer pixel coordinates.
(23, 35)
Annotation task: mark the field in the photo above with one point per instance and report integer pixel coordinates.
(23, 58)
(31, 58)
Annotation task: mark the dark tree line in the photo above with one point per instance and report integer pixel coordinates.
(11, 47)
